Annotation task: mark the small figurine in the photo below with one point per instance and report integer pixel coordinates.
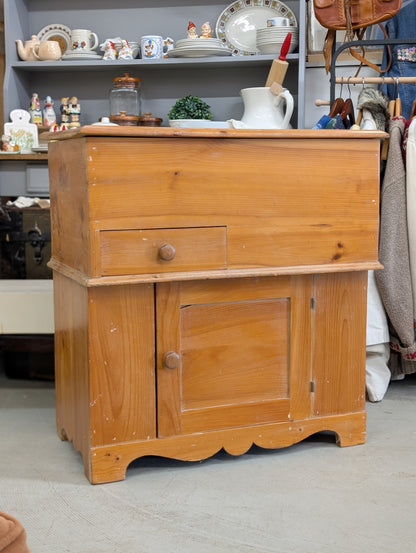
(206, 30)
(125, 52)
(192, 30)
(110, 52)
(64, 108)
(54, 128)
(34, 110)
(168, 44)
(75, 112)
(49, 115)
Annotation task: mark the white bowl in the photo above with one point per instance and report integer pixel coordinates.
(198, 123)
(273, 48)
(276, 34)
(272, 31)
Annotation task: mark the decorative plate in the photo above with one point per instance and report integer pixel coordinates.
(60, 33)
(238, 23)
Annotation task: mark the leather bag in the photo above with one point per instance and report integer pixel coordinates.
(353, 17)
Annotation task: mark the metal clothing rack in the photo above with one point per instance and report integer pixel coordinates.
(353, 80)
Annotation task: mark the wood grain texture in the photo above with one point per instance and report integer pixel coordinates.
(122, 364)
(279, 204)
(138, 251)
(339, 343)
(72, 365)
(239, 319)
(110, 462)
(68, 183)
(244, 349)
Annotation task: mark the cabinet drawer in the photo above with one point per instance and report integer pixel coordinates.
(162, 250)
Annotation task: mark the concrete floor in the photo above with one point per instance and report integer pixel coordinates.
(313, 497)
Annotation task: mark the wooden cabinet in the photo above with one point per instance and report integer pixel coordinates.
(210, 289)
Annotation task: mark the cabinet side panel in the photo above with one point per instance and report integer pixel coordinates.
(339, 343)
(69, 204)
(122, 398)
(71, 363)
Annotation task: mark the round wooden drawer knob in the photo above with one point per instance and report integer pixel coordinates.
(171, 360)
(167, 252)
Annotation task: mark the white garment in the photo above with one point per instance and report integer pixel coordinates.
(377, 329)
(367, 122)
(377, 373)
(411, 203)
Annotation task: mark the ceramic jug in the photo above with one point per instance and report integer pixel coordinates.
(265, 110)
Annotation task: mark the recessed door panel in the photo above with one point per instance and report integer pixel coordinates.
(232, 361)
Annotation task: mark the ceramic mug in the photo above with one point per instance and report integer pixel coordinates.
(278, 22)
(155, 47)
(47, 50)
(83, 41)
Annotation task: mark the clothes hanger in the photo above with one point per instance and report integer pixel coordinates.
(347, 112)
(413, 110)
(337, 107)
(398, 102)
(360, 111)
(392, 108)
(385, 147)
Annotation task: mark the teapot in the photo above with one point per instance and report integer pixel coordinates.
(265, 110)
(27, 51)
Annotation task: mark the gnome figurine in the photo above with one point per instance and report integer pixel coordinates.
(206, 30)
(192, 30)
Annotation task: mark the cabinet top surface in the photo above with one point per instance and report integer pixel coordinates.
(171, 132)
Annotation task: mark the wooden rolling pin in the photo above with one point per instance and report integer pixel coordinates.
(279, 66)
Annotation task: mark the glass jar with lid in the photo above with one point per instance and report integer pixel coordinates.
(125, 100)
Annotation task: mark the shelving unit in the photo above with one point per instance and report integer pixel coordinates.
(217, 80)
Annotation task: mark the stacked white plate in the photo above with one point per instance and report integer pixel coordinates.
(270, 39)
(199, 47)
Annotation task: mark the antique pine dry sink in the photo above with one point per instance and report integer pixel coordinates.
(210, 288)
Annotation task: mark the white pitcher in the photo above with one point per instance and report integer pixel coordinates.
(265, 110)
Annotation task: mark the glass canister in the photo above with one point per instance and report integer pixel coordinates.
(125, 100)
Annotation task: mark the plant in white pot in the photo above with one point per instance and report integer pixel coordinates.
(189, 111)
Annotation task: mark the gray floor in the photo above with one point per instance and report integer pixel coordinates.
(313, 497)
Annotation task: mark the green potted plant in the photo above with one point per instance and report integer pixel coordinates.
(189, 111)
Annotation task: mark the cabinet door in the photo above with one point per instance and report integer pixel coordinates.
(232, 352)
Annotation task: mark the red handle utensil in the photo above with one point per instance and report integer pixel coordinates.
(279, 66)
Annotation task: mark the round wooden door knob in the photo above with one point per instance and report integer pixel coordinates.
(167, 252)
(171, 360)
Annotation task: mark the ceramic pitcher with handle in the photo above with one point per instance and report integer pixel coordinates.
(265, 110)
